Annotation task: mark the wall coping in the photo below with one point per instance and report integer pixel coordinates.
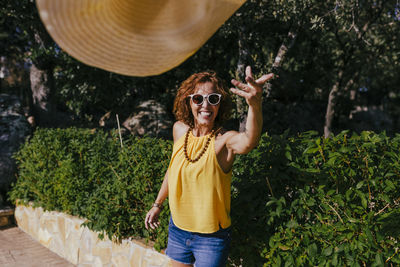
(63, 234)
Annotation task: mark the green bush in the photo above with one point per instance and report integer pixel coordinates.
(307, 201)
(300, 200)
(86, 173)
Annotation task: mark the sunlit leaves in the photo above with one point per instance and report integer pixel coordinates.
(333, 202)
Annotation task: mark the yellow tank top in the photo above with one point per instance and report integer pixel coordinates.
(199, 193)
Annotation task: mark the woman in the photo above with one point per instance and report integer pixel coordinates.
(198, 179)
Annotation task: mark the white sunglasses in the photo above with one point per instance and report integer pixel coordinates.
(213, 99)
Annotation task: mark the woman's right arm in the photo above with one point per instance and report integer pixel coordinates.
(151, 220)
(152, 216)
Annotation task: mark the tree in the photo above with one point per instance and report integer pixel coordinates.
(357, 28)
(321, 51)
(29, 38)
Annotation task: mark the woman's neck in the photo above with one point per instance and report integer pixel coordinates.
(201, 130)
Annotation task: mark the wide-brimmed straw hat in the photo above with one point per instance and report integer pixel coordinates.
(134, 37)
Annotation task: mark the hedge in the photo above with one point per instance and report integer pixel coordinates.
(296, 200)
(86, 173)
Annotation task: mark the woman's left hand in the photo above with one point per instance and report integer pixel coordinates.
(252, 91)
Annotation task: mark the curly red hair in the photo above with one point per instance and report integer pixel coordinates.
(182, 109)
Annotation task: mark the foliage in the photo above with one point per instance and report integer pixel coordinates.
(86, 173)
(307, 201)
(300, 200)
(332, 37)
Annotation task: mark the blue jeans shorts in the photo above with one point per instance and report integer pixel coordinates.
(204, 250)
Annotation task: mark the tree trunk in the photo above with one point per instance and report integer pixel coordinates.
(286, 45)
(41, 84)
(349, 85)
(330, 109)
(284, 48)
(245, 59)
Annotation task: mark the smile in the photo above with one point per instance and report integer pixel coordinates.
(205, 113)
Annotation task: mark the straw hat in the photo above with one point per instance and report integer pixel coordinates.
(134, 37)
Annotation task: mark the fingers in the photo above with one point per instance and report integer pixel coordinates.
(253, 86)
(154, 225)
(249, 77)
(248, 72)
(146, 221)
(250, 81)
(151, 220)
(239, 92)
(260, 81)
(244, 90)
(239, 84)
(263, 79)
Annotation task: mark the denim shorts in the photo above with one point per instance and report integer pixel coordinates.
(204, 250)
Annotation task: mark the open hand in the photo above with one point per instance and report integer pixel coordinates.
(152, 218)
(252, 91)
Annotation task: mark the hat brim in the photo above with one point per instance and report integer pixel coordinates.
(134, 37)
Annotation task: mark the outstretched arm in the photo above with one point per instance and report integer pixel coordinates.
(244, 142)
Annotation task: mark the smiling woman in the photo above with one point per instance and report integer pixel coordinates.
(198, 179)
(182, 105)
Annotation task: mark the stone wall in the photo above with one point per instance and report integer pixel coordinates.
(64, 235)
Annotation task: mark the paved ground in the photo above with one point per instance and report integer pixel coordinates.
(19, 249)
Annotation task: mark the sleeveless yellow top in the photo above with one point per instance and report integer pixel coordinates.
(199, 193)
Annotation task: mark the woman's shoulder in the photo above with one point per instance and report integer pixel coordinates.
(179, 129)
(223, 134)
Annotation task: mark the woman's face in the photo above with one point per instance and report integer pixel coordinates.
(205, 113)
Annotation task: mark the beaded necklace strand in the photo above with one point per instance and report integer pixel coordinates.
(202, 151)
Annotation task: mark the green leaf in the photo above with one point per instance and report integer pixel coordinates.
(348, 193)
(359, 184)
(288, 155)
(378, 260)
(312, 250)
(335, 259)
(283, 247)
(390, 184)
(364, 202)
(311, 150)
(331, 192)
(327, 251)
(292, 224)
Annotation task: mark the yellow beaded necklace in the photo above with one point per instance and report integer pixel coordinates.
(202, 151)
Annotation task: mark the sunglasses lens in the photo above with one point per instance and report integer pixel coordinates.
(214, 99)
(197, 99)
